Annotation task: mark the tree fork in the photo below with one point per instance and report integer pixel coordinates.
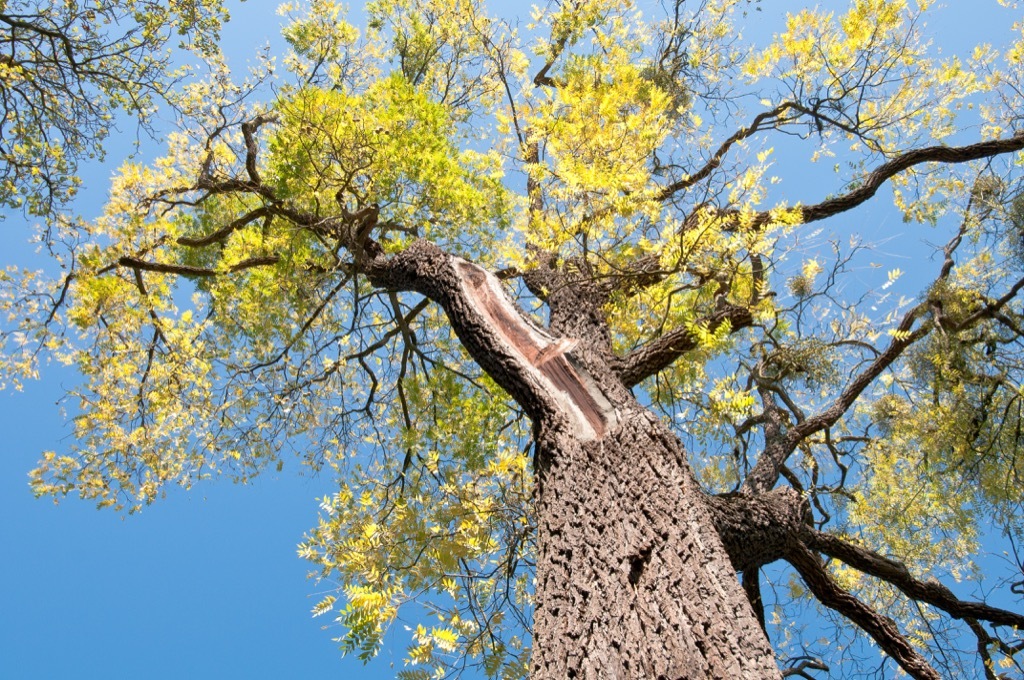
(652, 566)
(758, 529)
(630, 549)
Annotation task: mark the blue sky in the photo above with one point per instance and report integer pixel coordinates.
(205, 584)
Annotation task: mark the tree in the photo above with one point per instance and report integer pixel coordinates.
(68, 68)
(495, 288)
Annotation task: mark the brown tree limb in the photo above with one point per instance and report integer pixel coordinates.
(542, 79)
(776, 449)
(661, 352)
(984, 640)
(647, 269)
(904, 337)
(991, 309)
(190, 271)
(904, 161)
(752, 587)
(159, 332)
(249, 129)
(55, 37)
(162, 268)
(226, 230)
(258, 261)
(882, 629)
(799, 669)
(931, 591)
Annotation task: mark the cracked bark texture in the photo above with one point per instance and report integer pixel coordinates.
(633, 580)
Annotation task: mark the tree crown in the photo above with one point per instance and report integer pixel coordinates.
(234, 305)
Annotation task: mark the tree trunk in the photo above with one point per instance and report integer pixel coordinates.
(632, 578)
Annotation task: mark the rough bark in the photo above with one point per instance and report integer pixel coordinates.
(633, 580)
(636, 567)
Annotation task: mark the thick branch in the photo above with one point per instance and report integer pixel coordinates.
(904, 161)
(251, 146)
(542, 78)
(776, 449)
(759, 529)
(881, 628)
(647, 269)
(932, 592)
(984, 639)
(161, 268)
(661, 352)
(534, 367)
(904, 337)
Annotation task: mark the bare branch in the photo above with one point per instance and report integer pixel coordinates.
(931, 591)
(259, 261)
(249, 129)
(904, 161)
(800, 669)
(776, 448)
(903, 338)
(758, 124)
(882, 629)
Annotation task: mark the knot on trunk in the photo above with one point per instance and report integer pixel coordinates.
(759, 529)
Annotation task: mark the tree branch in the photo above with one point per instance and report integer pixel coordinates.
(648, 270)
(662, 351)
(752, 587)
(56, 36)
(161, 268)
(226, 230)
(931, 592)
(716, 159)
(882, 629)
(904, 338)
(249, 129)
(904, 161)
(776, 446)
(189, 270)
(804, 665)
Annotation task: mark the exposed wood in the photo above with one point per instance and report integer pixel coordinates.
(569, 384)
